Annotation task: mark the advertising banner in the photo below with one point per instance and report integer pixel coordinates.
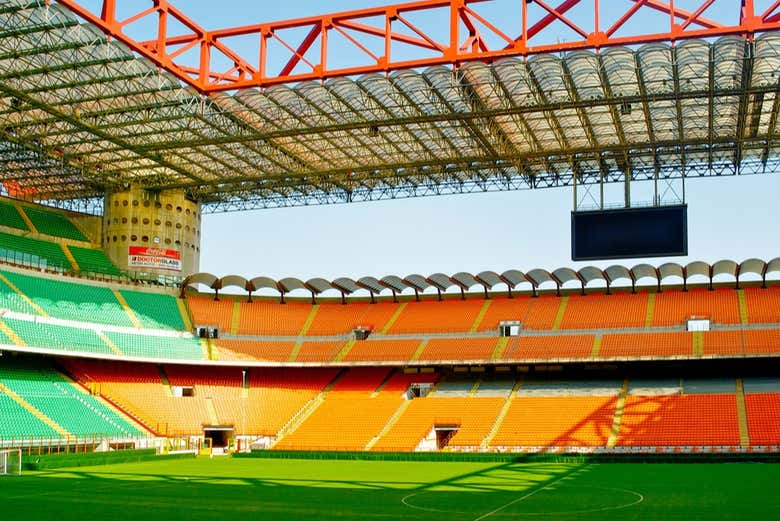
(154, 258)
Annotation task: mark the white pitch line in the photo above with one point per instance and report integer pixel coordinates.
(499, 509)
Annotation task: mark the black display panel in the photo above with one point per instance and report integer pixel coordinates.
(660, 231)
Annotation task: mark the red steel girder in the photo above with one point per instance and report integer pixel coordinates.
(465, 40)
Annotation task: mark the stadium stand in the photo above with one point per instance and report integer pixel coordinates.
(77, 412)
(254, 350)
(318, 351)
(763, 415)
(10, 217)
(646, 344)
(600, 311)
(156, 346)
(540, 347)
(557, 421)
(382, 350)
(429, 316)
(336, 319)
(154, 310)
(469, 418)
(55, 336)
(272, 318)
(349, 416)
(459, 349)
(36, 253)
(723, 342)
(505, 309)
(272, 398)
(93, 260)
(50, 222)
(542, 312)
(680, 420)
(206, 311)
(20, 422)
(71, 300)
(675, 307)
(763, 305)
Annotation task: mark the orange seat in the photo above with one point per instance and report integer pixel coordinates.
(599, 311)
(676, 307)
(763, 414)
(679, 420)
(558, 421)
(646, 344)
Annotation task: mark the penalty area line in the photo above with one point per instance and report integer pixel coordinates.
(521, 498)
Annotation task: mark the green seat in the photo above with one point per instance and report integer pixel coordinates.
(33, 252)
(71, 300)
(54, 223)
(148, 346)
(78, 413)
(54, 336)
(10, 216)
(155, 311)
(18, 422)
(93, 260)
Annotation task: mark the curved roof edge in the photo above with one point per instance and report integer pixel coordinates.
(489, 279)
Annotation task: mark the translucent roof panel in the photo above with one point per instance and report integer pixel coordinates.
(82, 114)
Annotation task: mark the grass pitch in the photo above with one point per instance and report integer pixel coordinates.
(269, 489)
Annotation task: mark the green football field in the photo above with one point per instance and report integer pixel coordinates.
(247, 489)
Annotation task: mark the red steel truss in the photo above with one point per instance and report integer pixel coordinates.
(470, 35)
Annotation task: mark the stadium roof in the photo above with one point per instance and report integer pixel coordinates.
(488, 280)
(81, 113)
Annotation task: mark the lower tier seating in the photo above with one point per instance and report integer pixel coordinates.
(676, 420)
(558, 421)
(380, 409)
(43, 389)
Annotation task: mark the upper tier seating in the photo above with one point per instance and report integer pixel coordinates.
(152, 346)
(154, 310)
(93, 260)
(763, 305)
(65, 338)
(254, 350)
(272, 318)
(675, 307)
(534, 347)
(209, 312)
(433, 316)
(75, 411)
(646, 344)
(459, 349)
(319, 351)
(382, 350)
(70, 300)
(53, 223)
(600, 311)
(27, 251)
(504, 309)
(333, 318)
(10, 216)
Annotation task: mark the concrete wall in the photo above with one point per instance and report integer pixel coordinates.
(167, 220)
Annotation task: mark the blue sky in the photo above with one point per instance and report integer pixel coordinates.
(728, 217)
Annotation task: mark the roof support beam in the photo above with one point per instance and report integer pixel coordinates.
(359, 32)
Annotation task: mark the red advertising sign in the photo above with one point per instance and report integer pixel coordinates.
(154, 258)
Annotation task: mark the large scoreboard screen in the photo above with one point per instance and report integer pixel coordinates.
(659, 231)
